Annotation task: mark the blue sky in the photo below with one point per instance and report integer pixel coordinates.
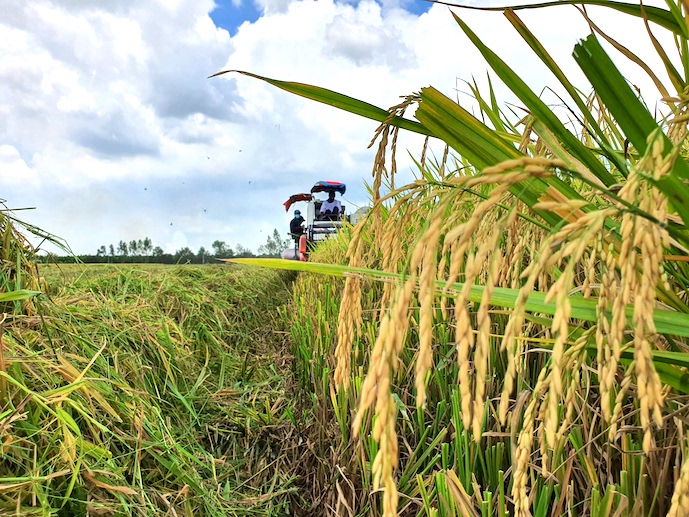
(230, 15)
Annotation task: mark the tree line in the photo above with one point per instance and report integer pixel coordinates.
(143, 250)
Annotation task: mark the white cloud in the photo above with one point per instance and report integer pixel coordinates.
(110, 127)
(14, 170)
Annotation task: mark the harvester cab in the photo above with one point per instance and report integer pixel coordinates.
(319, 225)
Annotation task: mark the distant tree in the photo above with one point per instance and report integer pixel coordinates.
(147, 246)
(202, 255)
(133, 248)
(183, 256)
(112, 250)
(274, 245)
(158, 251)
(101, 252)
(221, 250)
(241, 251)
(122, 249)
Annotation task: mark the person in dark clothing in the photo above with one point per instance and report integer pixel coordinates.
(296, 226)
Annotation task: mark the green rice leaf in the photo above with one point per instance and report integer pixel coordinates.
(19, 294)
(547, 59)
(462, 131)
(482, 146)
(632, 116)
(539, 109)
(338, 100)
(666, 322)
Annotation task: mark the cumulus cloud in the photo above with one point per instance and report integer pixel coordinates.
(360, 36)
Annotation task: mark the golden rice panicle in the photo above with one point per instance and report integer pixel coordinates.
(521, 461)
(464, 338)
(427, 276)
(510, 342)
(680, 495)
(610, 340)
(619, 399)
(377, 388)
(516, 247)
(464, 333)
(377, 365)
(590, 273)
(349, 318)
(609, 287)
(460, 237)
(649, 239)
(560, 328)
(349, 324)
(575, 362)
(386, 458)
(575, 239)
(677, 126)
(482, 355)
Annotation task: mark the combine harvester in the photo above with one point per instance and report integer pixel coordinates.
(317, 227)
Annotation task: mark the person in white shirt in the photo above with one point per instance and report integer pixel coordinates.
(331, 208)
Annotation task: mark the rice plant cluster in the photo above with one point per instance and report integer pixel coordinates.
(511, 333)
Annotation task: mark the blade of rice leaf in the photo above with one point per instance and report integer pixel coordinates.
(482, 146)
(20, 294)
(539, 109)
(632, 116)
(548, 61)
(338, 100)
(666, 322)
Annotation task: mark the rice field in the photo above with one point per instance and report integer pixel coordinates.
(506, 335)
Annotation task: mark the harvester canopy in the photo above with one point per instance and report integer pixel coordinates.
(295, 198)
(325, 186)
